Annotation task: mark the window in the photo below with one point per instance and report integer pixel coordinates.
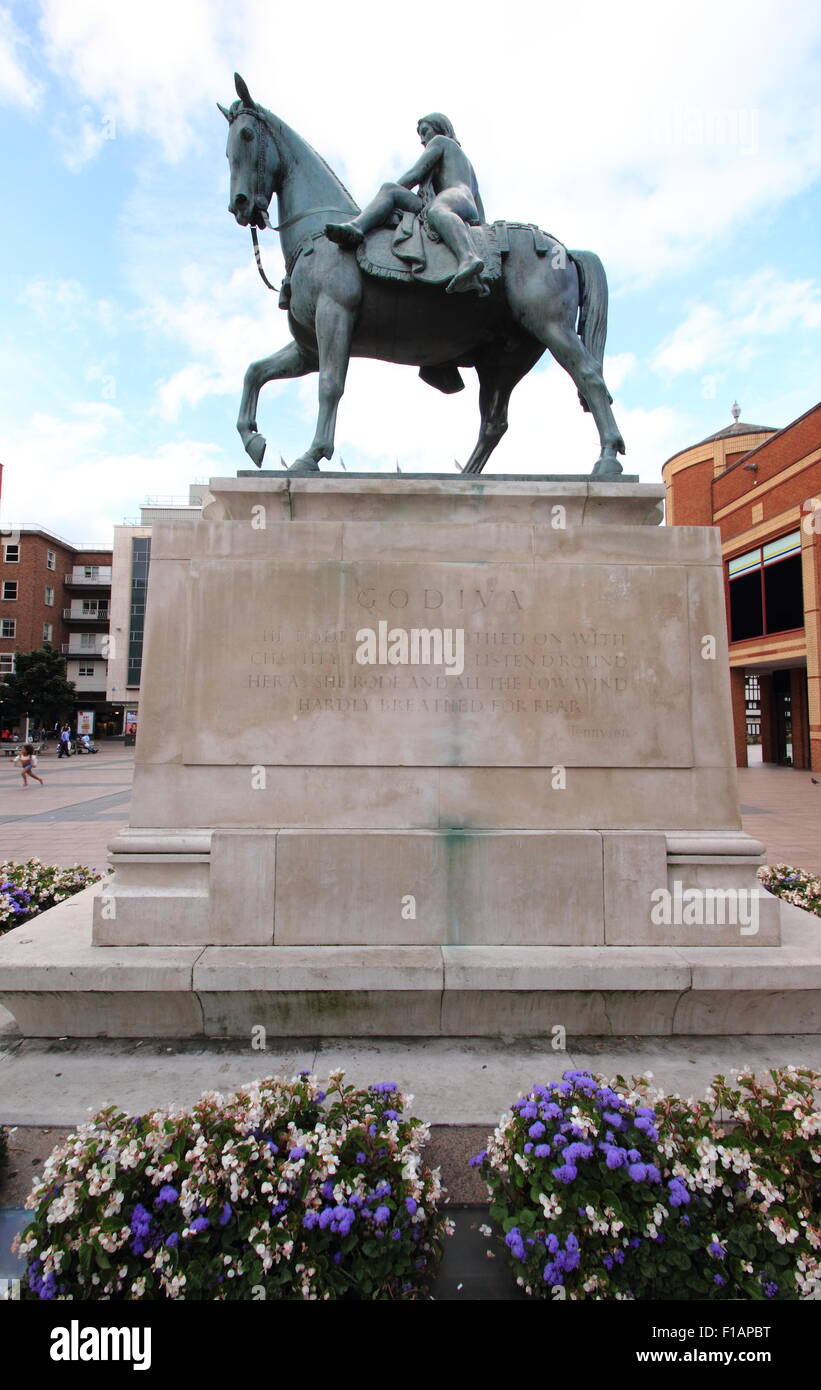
(49, 596)
(8, 627)
(85, 670)
(48, 632)
(51, 559)
(11, 554)
(91, 571)
(766, 592)
(140, 562)
(88, 640)
(9, 589)
(6, 663)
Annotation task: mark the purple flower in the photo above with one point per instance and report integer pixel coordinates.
(717, 1279)
(770, 1290)
(536, 1130)
(542, 1150)
(166, 1195)
(412, 1205)
(226, 1213)
(716, 1250)
(612, 1119)
(172, 1240)
(396, 1235)
(384, 1088)
(297, 1152)
(637, 1171)
(566, 1173)
(200, 1223)
(478, 1159)
(361, 1158)
(310, 1219)
(390, 1114)
(381, 1215)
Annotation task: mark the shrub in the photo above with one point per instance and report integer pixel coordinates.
(28, 889)
(278, 1191)
(793, 885)
(613, 1190)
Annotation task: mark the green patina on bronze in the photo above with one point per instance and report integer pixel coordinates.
(508, 292)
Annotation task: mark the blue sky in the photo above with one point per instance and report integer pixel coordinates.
(684, 148)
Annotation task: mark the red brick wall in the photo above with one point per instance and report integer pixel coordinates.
(30, 608)
(691, 495)
(779, 451)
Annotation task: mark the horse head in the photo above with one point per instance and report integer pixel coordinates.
(253, 158)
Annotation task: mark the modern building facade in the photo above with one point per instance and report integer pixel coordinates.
(130, 567)
(761, 487)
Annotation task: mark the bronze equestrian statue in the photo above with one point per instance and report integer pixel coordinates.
(357, 287)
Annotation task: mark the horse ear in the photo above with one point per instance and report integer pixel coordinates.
(242, 91)
(226, 113)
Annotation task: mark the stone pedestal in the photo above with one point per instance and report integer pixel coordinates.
(553, 749)
(416, 754)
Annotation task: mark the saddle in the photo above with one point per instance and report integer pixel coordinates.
(411, 251)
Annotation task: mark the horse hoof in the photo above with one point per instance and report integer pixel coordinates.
(255, 448)
(304, 466)
(606, 467)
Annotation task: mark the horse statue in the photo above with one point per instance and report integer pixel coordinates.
(343, 303)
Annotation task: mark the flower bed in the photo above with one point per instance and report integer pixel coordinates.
(614, 1190)
(278, 1191)
(28, 889)
(793, 885)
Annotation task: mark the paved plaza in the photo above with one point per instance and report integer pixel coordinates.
(75, 815)
(85, 802)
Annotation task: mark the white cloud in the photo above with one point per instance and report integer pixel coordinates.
(653, 133)
(66, 302)
(16, 83)
(387, 414)
(761, 306)
(76, 475)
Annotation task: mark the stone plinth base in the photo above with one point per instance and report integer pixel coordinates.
(58, 984)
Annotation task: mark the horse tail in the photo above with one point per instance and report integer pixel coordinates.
(593, 299)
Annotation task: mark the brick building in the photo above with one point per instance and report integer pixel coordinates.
(762, 488)
(52, 591)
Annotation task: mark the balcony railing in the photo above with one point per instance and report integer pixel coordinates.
(102, 579)
(102, 615)
(82, 653)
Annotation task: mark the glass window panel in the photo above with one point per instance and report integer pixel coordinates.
(746, 616)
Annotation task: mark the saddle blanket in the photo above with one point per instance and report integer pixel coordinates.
(410, 251)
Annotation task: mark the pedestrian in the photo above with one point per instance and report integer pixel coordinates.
(27, 762)
(64, 751)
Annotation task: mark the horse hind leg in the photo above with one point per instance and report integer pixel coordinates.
(497, 378)
(571, 353)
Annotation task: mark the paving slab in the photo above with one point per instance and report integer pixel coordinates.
(454, 1081)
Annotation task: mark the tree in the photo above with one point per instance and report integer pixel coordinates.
(37, 688)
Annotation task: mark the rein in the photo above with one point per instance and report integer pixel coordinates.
(265, 279)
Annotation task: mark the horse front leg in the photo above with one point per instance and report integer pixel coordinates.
(334, 330)
(290, 361)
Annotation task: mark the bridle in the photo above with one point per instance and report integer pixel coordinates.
(291, 221)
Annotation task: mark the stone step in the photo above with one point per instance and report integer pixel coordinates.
(57, 983)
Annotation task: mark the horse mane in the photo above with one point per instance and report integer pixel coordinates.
(279, 128)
